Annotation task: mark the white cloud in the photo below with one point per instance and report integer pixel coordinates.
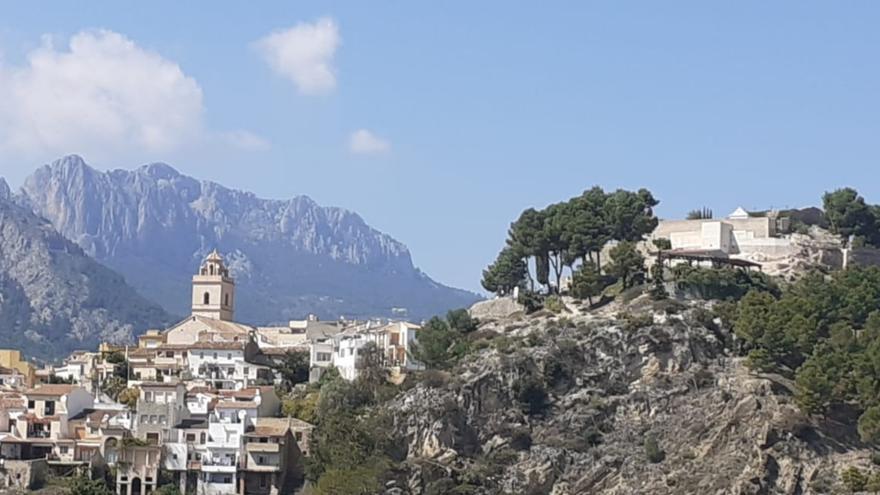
(364, 142)
(100, 95)
(246, 140)
(304, 54)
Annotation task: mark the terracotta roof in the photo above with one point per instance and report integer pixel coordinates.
(217, 325)
(52, 389)
(225, 346)
(276, 427)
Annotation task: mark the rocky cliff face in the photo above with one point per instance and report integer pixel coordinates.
(611, 384)
(289, 258)
(54, 298)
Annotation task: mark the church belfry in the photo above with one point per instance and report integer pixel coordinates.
(213, 294)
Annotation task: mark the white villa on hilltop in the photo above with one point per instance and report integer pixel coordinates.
(740, 233)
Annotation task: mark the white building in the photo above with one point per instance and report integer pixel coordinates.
(738, 234)
(344, 350)
(233, 415)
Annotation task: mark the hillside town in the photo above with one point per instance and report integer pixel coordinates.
(196, 404)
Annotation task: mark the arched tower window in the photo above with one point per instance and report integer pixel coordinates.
(211, 267)
(206, 299)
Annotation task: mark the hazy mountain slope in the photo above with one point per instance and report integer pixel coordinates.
(289, 258)
(53, 297)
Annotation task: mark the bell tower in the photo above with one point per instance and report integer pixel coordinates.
(213, 290)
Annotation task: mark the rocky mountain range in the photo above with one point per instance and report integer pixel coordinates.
(290, 258)
(53, 297)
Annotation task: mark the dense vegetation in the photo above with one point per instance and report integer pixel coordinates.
(571, 233)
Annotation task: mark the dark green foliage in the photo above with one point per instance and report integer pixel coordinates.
(869, 425)
(825, 330)
(626, 262)
(720, 283)
(372, 373)
(632, 322)
(700, 214)
(558, 237)
(653, 452)
(531, 301)
(554, 304)
(82, 485)
(587, 282)
(293, 368)
(507, 272)
(461, 321)
(854, 479)
(169, 489)
(848, 214)
(348, 445)
(760, 360)
(662, 243)
(442, 341)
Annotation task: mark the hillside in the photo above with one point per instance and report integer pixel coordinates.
(54, 298)
(289, 257)
(564, 404)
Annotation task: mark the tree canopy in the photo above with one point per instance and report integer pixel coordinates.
(564, 235)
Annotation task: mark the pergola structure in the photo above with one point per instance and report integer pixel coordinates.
(716, 258)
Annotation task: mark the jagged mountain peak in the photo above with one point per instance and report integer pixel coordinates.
(291, 257)
(159, 170)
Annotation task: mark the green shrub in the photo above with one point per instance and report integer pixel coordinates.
(720, 283)
(760, 360)
(653, 452)
(631, 322)
(854, 479)
(554, 304)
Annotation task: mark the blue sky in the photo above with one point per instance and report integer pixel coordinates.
(469, 112)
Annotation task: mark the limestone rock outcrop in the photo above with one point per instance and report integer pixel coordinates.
(721, 428)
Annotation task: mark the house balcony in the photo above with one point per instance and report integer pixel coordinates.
(219, 465)
(262, 468)
(262, 447)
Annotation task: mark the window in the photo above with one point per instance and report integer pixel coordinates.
(215, 355)
(206, 298)
(174, 456)
(263, 483)
(62, 449)
(161, 419)
(229, 355)
(299, 436)
(226, 301)
(31, 404)
(49, 408)
(143, 419)
(152, 419)
(190, 437)
(202, 438)
(148, 396)
(246, 371)
(202, 355)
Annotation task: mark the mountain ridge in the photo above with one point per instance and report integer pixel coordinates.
(290, 257)
(51, 292)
